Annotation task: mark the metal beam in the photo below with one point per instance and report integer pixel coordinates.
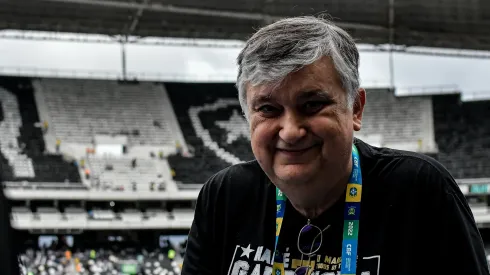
(83, 38)
(391, 38)
(198, 44)
(435, 52)
(136, 18)
(204, 12)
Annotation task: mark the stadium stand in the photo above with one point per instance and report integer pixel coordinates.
(462, 133)
(23, 155)
(398, 122)
(120, 172)
(80, 109)
(210, 118)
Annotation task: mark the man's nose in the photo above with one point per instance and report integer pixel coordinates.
(292, 129)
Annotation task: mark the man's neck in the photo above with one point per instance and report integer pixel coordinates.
(321, 196)
(312, 210)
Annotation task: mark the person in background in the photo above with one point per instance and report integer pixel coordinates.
(87, 173)
(316, 200)
(171, 254)
(45, 126)
(58, 144)
(178, 147)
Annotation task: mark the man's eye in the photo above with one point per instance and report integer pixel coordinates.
(311, 107)
(267, 109)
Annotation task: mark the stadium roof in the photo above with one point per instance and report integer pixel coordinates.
(461, 24)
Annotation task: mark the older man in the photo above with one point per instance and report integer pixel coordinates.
(316, 200)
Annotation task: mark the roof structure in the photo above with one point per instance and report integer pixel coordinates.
(460, 24)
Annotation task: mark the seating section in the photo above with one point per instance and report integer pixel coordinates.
(215, 131)
(463, 136)
(119, 172)
(80, 109)
(22, 148)
(398, 122)
(210, 119)
(9, 131)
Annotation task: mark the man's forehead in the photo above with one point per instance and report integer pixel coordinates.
(314, 77)
(262, 91)
(258, 94)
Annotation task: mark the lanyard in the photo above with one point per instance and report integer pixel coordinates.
(352, 212)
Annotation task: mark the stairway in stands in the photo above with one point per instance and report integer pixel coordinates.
(47, 168)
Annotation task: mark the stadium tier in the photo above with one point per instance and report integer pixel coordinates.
(157, 137)
(77, 218)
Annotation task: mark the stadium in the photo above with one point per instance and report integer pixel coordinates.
(102, 174)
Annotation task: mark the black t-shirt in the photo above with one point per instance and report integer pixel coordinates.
(414, 220)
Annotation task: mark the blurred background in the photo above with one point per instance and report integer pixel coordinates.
(113, 113)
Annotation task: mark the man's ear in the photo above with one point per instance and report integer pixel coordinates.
(358, 109)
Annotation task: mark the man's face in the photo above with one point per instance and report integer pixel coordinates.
(302, 130)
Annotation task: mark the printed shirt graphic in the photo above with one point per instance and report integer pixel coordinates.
(255, 260)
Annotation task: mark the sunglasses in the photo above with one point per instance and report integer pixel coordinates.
(310, 239)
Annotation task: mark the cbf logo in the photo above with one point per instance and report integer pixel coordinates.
(356, 162)
(353, 192)
(278, 208)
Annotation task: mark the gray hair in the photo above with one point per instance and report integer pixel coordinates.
(288, 45)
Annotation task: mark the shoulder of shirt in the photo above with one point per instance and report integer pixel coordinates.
(240, 177)
(407, 165)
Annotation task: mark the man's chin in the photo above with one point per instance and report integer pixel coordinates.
(294, 173)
